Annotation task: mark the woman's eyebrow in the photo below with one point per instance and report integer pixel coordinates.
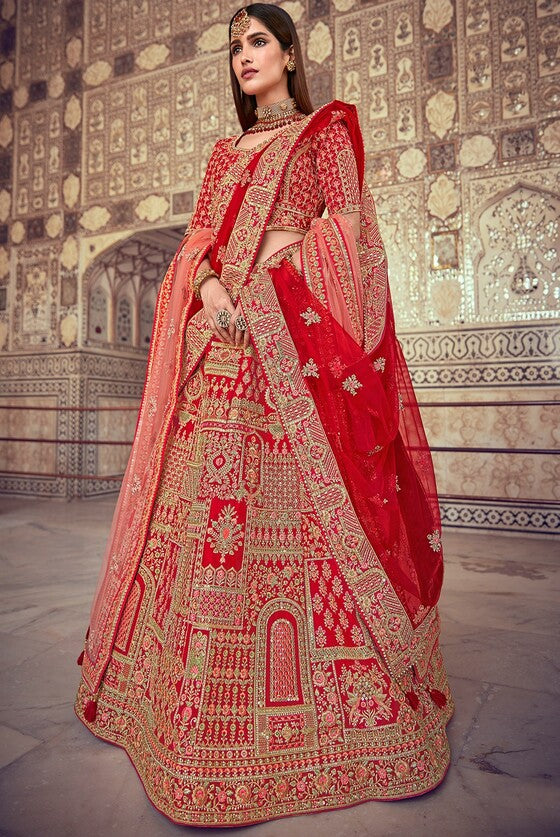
(250, 37)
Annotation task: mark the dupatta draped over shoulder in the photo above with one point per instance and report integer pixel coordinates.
(326, 341)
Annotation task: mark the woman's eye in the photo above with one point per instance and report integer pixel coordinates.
(258, 42)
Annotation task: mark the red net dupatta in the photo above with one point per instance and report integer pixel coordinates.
(365, 400)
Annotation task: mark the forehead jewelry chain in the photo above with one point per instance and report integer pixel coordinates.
(240, 24)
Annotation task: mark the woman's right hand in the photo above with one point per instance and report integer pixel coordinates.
(215, 298)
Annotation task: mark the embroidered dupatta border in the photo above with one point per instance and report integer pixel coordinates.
(400, 644)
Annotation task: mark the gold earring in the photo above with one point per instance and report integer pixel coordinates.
(291, 65)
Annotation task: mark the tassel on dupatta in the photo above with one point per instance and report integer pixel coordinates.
(438, 698)
(90, 710)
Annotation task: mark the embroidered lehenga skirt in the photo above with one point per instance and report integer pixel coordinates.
(243, 684)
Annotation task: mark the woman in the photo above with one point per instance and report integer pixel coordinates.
(264, 637)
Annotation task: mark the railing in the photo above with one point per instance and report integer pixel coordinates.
(58, 441)
(423, 404)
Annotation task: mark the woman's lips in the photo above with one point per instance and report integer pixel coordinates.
(248, 73)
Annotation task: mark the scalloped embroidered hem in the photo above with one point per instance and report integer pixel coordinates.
(244, 794)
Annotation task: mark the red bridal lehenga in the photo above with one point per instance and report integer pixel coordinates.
(264, 636)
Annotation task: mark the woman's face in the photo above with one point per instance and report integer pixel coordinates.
(259, 63)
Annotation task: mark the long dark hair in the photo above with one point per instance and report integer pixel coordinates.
(280, 24)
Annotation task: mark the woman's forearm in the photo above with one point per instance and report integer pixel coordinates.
(204, 265)
(203, 274)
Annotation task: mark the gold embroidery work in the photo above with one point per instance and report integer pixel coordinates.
(310, 369)
(245, 663)
(310, 317)
(434, 539)
(351, 384)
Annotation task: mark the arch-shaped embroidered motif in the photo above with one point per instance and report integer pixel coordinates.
(284, 704)
(283, 683)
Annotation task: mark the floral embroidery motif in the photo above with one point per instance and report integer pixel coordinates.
(434, 539)
(351, 384)
(225, 534)
(379, 364)
(336, 366)
(135, 484)
(401, 404)
(245, 178)
(310, 369)
(310, 316)
(397, 486)
(366, 696)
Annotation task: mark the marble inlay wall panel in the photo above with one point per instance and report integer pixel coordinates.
(183, 26)
(505, 446)
(401, 220)
(108, 112)
(109, 381)
(378, 67)
(38, 170)
(35, 308)
(115, 425)
(150, 137)
(41, 29)
(77, 383)
(109, 385)
(39, 382)
(34, 456)
(512, 431)
(501, 475)
(485, 357)
(508, 60)
(512, 244)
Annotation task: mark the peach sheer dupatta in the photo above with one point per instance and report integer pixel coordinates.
(345, 304)
(140, 482)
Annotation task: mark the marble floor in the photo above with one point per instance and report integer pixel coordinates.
(500, 627)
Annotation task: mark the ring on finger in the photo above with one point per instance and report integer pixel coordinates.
(222, 318)
(241, 323)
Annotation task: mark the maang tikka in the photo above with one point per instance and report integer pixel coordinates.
(240, 24)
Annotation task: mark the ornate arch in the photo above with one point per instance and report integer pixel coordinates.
(127, 275)
(517, 268)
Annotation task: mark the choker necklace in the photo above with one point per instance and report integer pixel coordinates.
(270, 117)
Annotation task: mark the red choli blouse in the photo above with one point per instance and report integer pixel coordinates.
(322, 174)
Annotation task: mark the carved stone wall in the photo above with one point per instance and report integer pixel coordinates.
(108, 112)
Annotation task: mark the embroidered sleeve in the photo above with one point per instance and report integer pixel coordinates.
(336, 169)
(201, 216)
